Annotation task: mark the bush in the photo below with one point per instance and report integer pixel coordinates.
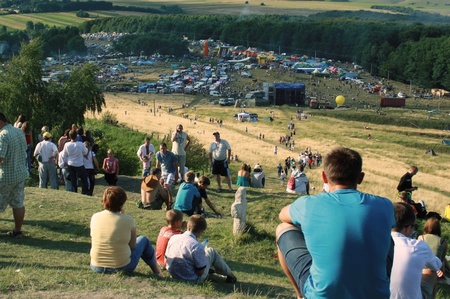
(110, 118)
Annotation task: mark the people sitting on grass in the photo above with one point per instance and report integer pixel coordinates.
(153, 194)
(174, 219)
(188, 198)
(115, 244)
(415, 266)
(202, 185)
(432, 236)
(243, 178)
(258, 177)
(188, 259)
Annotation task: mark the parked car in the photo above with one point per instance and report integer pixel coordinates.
(214, 93)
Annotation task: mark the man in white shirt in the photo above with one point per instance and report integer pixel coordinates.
(188, 259)
(414, 269)
(145, 153)
(180, 142)
(75, 151)
(46, 153)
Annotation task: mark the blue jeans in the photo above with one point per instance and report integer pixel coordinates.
(143, 250)
(292, 245)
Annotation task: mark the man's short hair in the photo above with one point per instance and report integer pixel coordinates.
(414, 169)
(204, 180)
(196, 223)
(73, 135)
(163, 144)
(343, 166)
(155, 171)
(301, 167)
(173, 216)
(190, 176)
(404, 216)
(147, 138)
(3, 118)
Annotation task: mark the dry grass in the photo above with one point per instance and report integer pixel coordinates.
(384, 162)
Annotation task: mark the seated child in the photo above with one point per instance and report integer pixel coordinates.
(175, 221)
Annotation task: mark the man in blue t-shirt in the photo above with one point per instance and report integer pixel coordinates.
(188, 196)
(336, 244)
(168, 162)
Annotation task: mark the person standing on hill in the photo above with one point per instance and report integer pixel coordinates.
(13, 172)
(74, 151)
(337, 244)
(219, 159)
(145, 153)
(405, 183)
(180, 142)
(168, 162)
(46, 153)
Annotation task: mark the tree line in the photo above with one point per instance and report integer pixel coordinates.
(402, 51)
(29, 6)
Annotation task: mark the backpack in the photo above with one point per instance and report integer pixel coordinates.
(291, 183)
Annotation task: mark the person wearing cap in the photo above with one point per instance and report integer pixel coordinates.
(180, 142)
(46, 153)
(258, 177)
(219, 158)
(153, 195)
(13, 172)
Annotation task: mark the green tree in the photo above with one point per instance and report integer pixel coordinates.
(55, 104)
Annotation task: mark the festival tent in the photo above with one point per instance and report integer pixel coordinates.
(243, 116)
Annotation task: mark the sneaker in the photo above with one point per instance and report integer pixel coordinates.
(231, 279)
(15, 235)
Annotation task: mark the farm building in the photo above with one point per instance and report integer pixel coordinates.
(292, 94)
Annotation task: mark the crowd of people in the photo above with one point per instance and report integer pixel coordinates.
(366, 247)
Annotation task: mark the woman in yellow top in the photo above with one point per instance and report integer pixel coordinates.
(115, 247)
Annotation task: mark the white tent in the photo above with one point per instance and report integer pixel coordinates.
(243, 116)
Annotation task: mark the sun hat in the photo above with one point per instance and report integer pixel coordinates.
(149, 183)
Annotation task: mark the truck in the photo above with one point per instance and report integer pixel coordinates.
(392, 102)
(315, 104)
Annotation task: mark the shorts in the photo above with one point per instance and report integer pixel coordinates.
(292, 245)
(12, 195)
(168, 178)
(220, 167)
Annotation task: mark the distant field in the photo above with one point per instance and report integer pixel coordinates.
(57, 19)
(234, 7)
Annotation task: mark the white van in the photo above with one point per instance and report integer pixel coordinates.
(214, 93)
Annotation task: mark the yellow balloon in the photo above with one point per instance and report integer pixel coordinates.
(340, 100)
